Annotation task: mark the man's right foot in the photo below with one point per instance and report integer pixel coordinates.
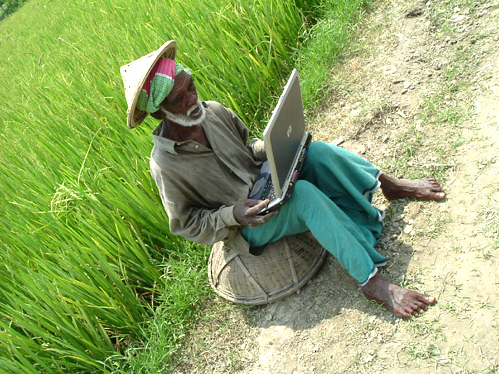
(400, 301)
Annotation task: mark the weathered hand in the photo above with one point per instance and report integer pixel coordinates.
(246, 212)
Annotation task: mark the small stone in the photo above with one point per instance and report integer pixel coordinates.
(408, 229)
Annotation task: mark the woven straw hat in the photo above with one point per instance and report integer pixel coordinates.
(135, 74)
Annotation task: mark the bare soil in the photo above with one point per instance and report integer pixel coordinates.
(417, 95)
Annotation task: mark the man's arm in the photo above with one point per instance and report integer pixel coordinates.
(254, 145)
(201, 224)
(210, 226)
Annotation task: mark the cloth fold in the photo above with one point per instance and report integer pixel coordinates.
(159, 84)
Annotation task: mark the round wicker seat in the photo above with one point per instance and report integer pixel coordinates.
(284, 267)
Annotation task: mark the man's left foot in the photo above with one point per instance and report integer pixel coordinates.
(424, 189)
(400, 301)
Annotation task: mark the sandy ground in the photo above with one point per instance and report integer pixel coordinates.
(419, 95)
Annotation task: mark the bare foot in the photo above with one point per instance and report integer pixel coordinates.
(424, 189)
(398, 300)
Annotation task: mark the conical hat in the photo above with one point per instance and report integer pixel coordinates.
(135, 74)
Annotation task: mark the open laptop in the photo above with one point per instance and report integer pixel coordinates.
(286, 144)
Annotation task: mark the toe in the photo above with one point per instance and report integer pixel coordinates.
(439, 195)
(429, 300)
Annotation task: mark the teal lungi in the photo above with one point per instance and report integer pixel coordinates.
(333, 200)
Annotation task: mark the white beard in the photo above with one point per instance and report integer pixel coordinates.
(185, 119)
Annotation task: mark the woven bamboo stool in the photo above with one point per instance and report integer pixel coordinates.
(284, 267)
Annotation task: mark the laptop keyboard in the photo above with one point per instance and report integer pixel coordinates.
(268, 191)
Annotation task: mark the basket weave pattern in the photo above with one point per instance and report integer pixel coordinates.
(284, 267)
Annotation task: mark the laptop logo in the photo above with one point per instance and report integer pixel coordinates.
(288, 133)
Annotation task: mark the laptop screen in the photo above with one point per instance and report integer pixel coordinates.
(285, 132)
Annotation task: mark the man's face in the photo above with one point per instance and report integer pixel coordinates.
(182, 105)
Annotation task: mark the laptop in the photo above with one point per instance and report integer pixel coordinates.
(286, 144)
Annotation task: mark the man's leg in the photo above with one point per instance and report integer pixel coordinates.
(310, 209)
(338, 172)
(350, 181)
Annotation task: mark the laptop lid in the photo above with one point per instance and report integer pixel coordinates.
(285, 133)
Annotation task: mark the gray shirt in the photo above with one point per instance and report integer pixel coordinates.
(199, 186)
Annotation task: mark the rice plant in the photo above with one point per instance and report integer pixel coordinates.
(86, 257)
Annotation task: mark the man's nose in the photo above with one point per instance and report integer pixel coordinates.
(192, 99)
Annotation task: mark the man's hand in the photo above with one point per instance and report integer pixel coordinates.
(246, 212)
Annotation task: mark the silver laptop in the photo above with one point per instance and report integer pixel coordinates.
(286, 145)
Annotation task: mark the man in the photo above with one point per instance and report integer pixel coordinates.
(205, 165)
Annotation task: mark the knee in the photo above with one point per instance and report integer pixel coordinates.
(319, 151)
(301, 190)
(303, 193)
(302, 187)
(306, 199)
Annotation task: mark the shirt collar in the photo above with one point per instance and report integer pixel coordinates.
(161, 142)
(166, 144)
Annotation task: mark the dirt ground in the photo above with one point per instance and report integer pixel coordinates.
(417, 94)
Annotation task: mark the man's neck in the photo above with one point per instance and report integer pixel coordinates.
(179, 133)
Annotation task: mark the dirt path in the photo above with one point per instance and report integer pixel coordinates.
(419, 95)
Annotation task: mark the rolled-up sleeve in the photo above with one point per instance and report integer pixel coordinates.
(205, 226)
(258, 149)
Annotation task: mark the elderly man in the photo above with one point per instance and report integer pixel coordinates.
(204, 165)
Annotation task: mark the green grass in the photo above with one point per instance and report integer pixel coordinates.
(323, 47)
(92, 279)
(7, 7)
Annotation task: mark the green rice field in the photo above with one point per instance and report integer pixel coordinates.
(92, 279)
